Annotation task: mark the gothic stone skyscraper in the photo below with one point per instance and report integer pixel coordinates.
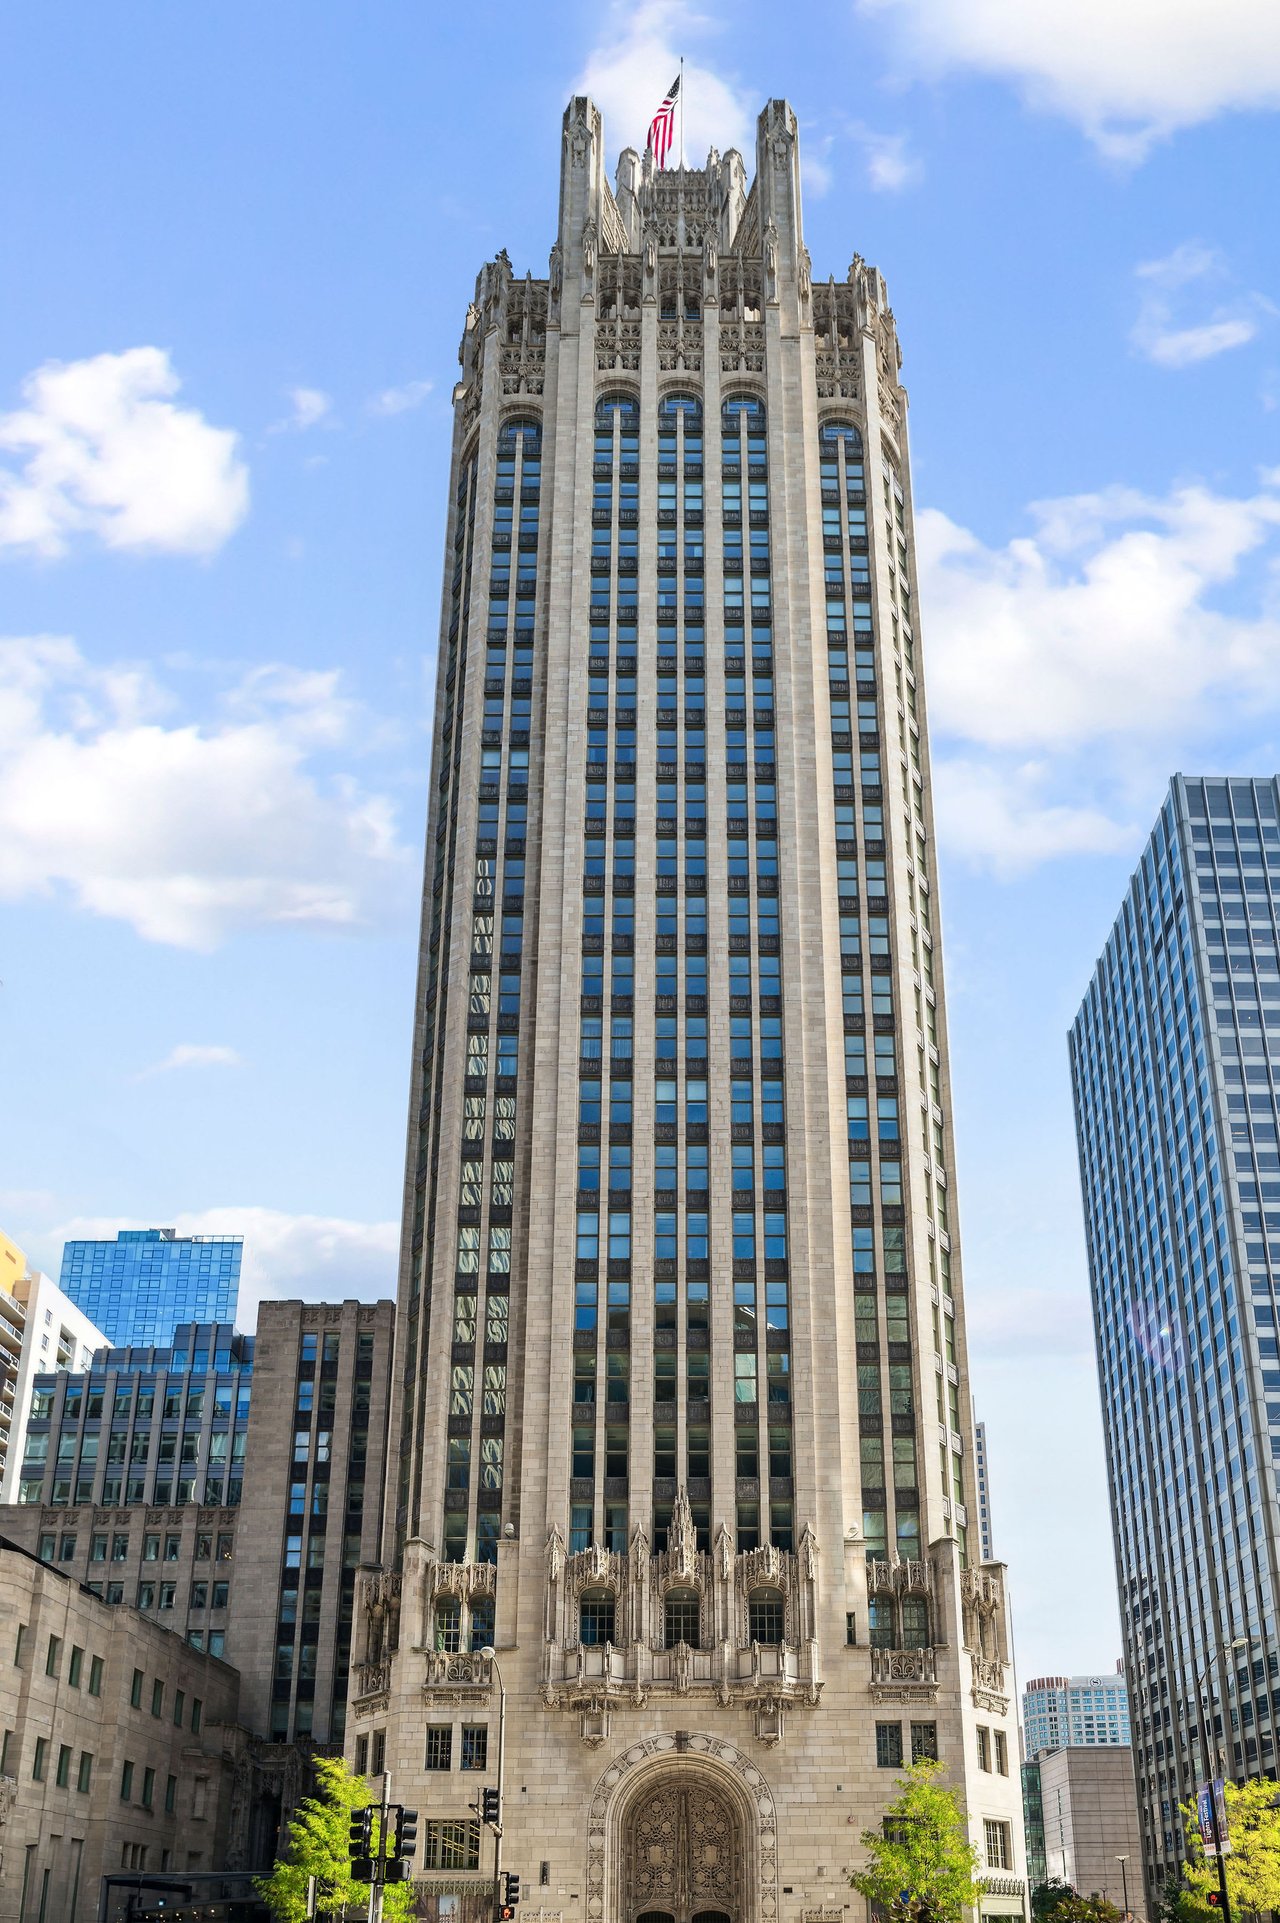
(683, 1417)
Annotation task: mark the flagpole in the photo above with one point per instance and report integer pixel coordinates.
(682, 113)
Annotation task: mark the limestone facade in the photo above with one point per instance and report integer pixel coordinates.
(118, 1745)
(682, 1413)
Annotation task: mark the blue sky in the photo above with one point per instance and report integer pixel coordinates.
(239, 243)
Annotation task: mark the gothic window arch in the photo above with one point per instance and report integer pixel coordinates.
(832, 432)
(448, 1624)
(597, 1617)
(681, 1618)
(520, 427)
(678, 403)
(622, 406)
(766, 1616)
(748, 405)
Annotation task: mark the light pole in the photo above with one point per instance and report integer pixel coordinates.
(1124, 1883)
(1237, 1642)
(491, 1658)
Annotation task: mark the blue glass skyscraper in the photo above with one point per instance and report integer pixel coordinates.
(1175, 1059)
(139, 1287)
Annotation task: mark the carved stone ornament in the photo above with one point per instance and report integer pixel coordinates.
(657, 1828)
(771, 259)
(555, 1553)
(590, 243)
(555, 278)
(682, 1539)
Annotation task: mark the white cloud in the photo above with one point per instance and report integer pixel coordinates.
(1070, 669)
(400, 400)
(319, 1258)
(629, 72)
(997, 817)
(99, 448)
(310, 406)
(1128, 75)
(193, 1055)
(1100, 623)
(1163, 335)
(890, 164)
(189, 831)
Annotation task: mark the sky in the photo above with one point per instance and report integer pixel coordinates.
(239, 244)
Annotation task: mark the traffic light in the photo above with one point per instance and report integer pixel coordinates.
(360, 1844)
(406, 1832)
(1213, 1899)
(489, 1806)
(512, 1895)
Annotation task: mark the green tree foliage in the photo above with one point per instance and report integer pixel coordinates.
(1046, 1898)
(1056, 1902)
(319, 1846)
(1253, 1866)
(1174, 1903)
(923, 1850)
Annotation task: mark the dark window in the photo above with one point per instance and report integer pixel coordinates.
(681, 1617)
(596, 1618)
(888, 1745)
(766, 1616)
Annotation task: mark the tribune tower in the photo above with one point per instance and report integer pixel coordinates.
(683, 1409)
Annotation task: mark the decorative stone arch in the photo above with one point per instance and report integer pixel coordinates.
(639, 1769)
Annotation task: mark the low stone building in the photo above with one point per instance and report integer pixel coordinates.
(119, 1745)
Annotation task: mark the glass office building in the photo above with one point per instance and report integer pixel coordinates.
(1175, 1058)
(139, 1287)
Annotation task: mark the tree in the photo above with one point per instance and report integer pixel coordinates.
(1174, 1903)
(1253, 1865)
(319, 1845)
(1057, 1902)
(922, 1862)
(1047, 1897)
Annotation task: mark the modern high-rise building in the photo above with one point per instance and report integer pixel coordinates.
(141, 1286)
(1175, 1059)
(1075, 1711)
(40, 1329)
(684, 1422)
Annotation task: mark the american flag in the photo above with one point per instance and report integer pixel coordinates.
(660, 128)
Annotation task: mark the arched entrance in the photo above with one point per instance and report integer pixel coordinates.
(683, 1853)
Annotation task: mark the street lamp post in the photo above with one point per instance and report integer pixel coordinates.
(1123, 1861)
(1238, 1642)
(491, 1658)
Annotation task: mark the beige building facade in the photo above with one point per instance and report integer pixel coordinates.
(683, 1426)
(1090, 1806)
(118, 1746)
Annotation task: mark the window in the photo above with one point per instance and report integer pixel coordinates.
(63, 1774)
(888, 1745)
(984, 1748)
(75, 1665)
(135, 1691)
(448, 1625)
(148, 1788)
(766, 1616)
(596, 1618)
(924, 1742)
(84, 1775)
(170, 1794)
(95, 1675)
(157, 1697)
(197, 1715)
(999, 1854)
(439, 1747)
(179, 1705)
(475, 1746)
(450, 1845)
(126, 1782)
(40, 1759)
(1002, 1752)
(681, 1616)
(52, 1655)
(20, 1645)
